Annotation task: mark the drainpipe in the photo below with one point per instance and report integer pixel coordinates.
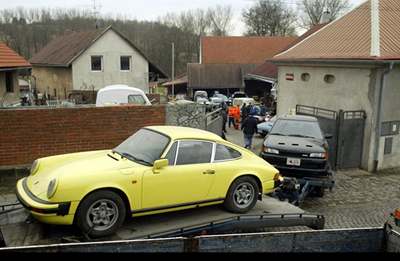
(378, 129)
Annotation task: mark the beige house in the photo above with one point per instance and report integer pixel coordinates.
(89, 61)
(352, 64)
(11, 66)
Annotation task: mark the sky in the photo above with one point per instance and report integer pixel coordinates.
(147, 9)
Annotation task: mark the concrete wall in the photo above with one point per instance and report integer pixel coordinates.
(391, 113)
(353, 89)
(187, 115)
(111, 46)
(7, 98)
(49, 79)
(28, 134)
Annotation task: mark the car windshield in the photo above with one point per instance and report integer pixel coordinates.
(239, 95)
(144, 147)
(297, 128)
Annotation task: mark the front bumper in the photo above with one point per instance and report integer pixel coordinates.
(37, 206)
(309, 167)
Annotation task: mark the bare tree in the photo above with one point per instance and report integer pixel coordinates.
(269, 17)
(314, 10)
(220, 18)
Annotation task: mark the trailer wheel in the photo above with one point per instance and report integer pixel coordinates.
(101, 214)
(242, 195)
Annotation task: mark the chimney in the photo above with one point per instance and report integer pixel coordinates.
(325, 17)
(375, 29)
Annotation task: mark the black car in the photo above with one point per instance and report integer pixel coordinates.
(297, 147)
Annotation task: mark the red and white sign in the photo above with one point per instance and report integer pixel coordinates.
(289, 76)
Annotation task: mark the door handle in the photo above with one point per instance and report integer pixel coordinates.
(209, 172)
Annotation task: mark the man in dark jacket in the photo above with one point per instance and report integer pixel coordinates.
(249, 127)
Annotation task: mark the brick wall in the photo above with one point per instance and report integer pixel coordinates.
(28, 134)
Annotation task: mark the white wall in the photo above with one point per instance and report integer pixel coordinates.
(351, 90)
(111, 46)
(7, 98)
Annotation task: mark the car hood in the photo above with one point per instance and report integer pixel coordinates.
(82, 164)
(265, 124)
(295, 144)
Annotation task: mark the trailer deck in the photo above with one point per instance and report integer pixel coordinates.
(267, 213)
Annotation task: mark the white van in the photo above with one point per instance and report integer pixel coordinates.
(241, 101)
(121, 94)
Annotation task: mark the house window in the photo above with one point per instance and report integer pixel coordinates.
(305, 77)
(9, 82)
(97, 63)
(125, 63)
(329, 78)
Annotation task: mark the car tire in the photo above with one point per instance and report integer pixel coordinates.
(101, 207)
(242, 195)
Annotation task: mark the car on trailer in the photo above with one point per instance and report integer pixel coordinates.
(158, 169)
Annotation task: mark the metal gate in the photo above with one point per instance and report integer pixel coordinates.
(347, 130)
(351, 139)
(328, 121)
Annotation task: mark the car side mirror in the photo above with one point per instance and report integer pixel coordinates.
(328, 136)
(159, 164)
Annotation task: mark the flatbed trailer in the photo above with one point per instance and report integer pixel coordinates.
(378, 239)
(207, 220)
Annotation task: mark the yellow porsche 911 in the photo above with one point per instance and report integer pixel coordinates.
(158, 169)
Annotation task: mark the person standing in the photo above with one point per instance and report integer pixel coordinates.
(224, 112)
(249, 127)
(231, 116)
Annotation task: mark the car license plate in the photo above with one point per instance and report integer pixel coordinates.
(293, 162)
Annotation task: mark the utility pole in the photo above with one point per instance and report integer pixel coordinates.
(173, 70)
(96, 12)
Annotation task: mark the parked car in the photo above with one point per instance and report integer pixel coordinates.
(221, 96)
(119, 95)
(265, 127)
(236, 95)
(180, 168)
(297, 147)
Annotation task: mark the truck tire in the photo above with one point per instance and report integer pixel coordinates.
(242, 195)
(101, 214)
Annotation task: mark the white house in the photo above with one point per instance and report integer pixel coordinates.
(89, 61)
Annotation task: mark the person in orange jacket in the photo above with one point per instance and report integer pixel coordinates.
(231, 116)
(234, 116)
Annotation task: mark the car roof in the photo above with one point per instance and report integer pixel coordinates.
(120, 87)
(175, 132)
(298, 118)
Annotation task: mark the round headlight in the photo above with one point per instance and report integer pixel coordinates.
(51, 189)
(34, 167)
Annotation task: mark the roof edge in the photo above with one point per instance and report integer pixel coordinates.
(318, 31)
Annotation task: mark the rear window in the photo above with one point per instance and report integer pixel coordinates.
(136, 99)
(223, 153)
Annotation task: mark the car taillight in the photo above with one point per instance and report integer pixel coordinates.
(278, 177)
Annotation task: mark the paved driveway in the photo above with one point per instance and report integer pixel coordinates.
(359, 199)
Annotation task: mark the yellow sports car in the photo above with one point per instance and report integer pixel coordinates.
(158, 169)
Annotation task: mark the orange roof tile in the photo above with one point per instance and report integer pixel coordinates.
(241, 50)
(10, 59)
(350, 36)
